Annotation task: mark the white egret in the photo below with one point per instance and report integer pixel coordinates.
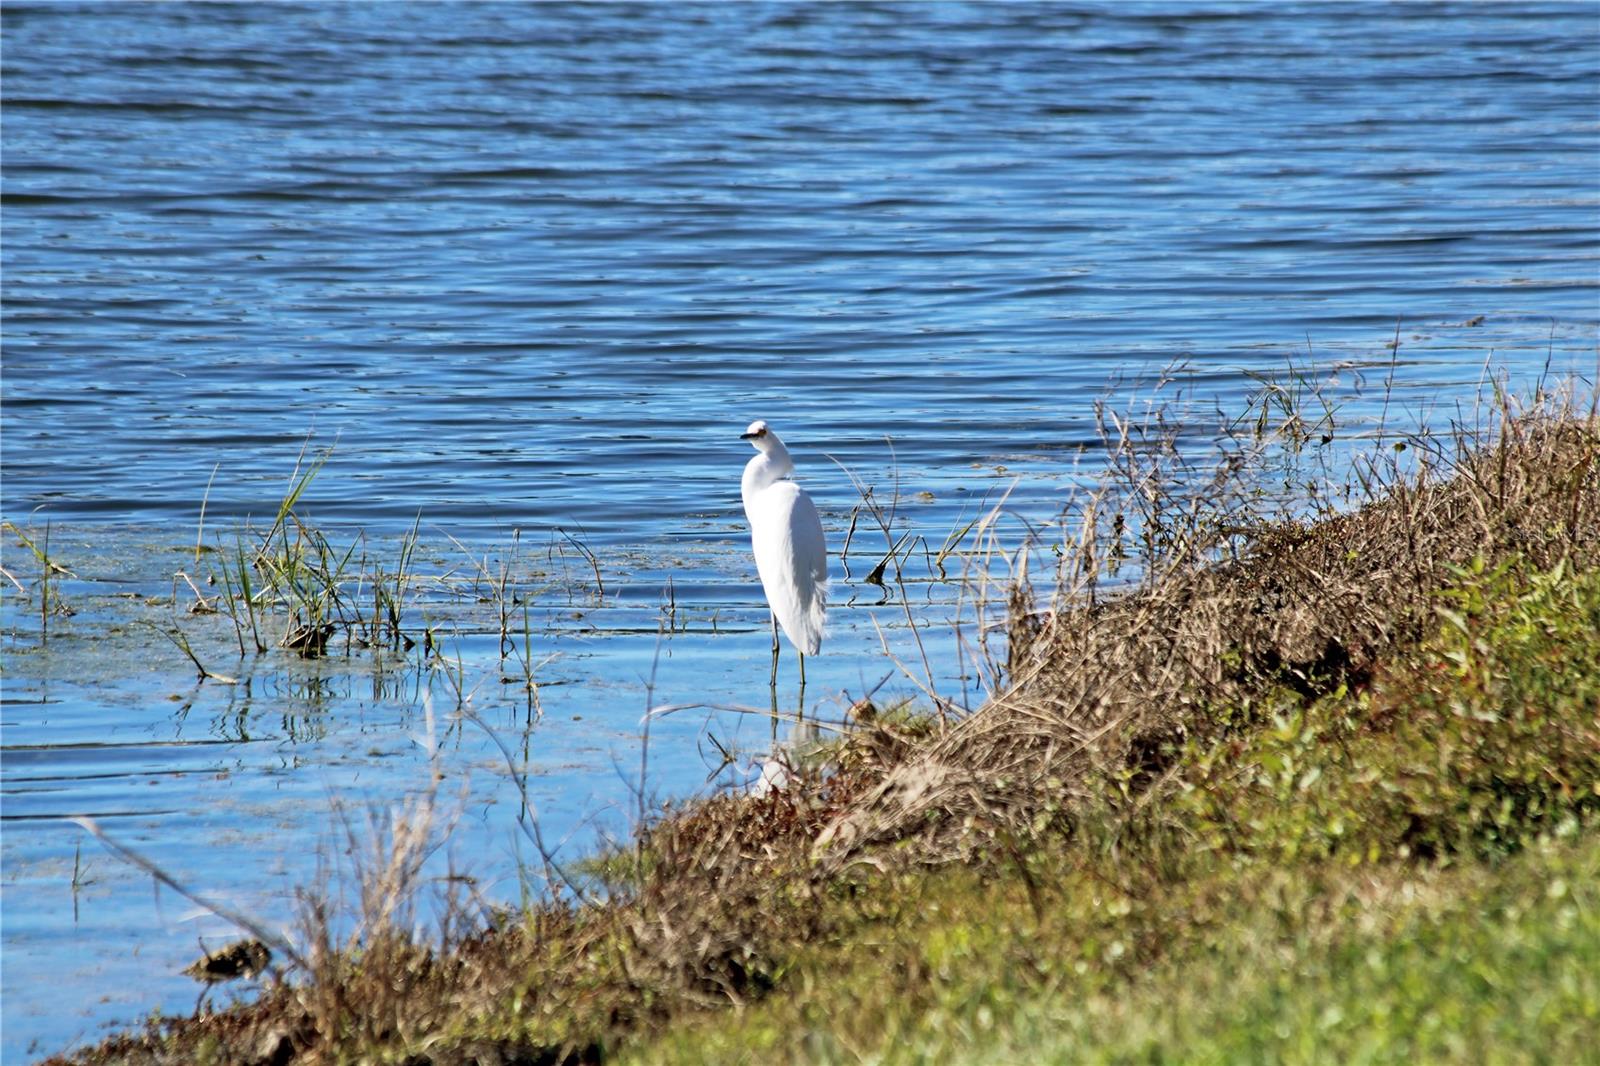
(791, 554)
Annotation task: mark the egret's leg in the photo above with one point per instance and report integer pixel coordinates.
(774, 681)
(802, 712)
(773, 686)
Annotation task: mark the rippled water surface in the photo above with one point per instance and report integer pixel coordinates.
(533, 268)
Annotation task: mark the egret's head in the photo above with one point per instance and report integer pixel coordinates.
(762, 439)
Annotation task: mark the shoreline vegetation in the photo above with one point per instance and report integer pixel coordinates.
(1297, 759)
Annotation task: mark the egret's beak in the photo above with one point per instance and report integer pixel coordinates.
(750, 436)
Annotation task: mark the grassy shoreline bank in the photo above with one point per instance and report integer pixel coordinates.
(1301, 790)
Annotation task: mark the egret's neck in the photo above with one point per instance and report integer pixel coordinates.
(771, 465)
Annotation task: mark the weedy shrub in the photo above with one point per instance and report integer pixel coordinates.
(1508, 693)
(1481, 738)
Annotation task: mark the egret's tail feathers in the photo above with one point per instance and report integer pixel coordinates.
(815, 620)
(804, 622)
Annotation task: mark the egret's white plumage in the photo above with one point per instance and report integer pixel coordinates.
(786, 533)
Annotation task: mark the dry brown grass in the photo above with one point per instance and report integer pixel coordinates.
(1230, 599)
(698, 923)
(1227, 597)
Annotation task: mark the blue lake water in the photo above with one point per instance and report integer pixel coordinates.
(531, 269)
